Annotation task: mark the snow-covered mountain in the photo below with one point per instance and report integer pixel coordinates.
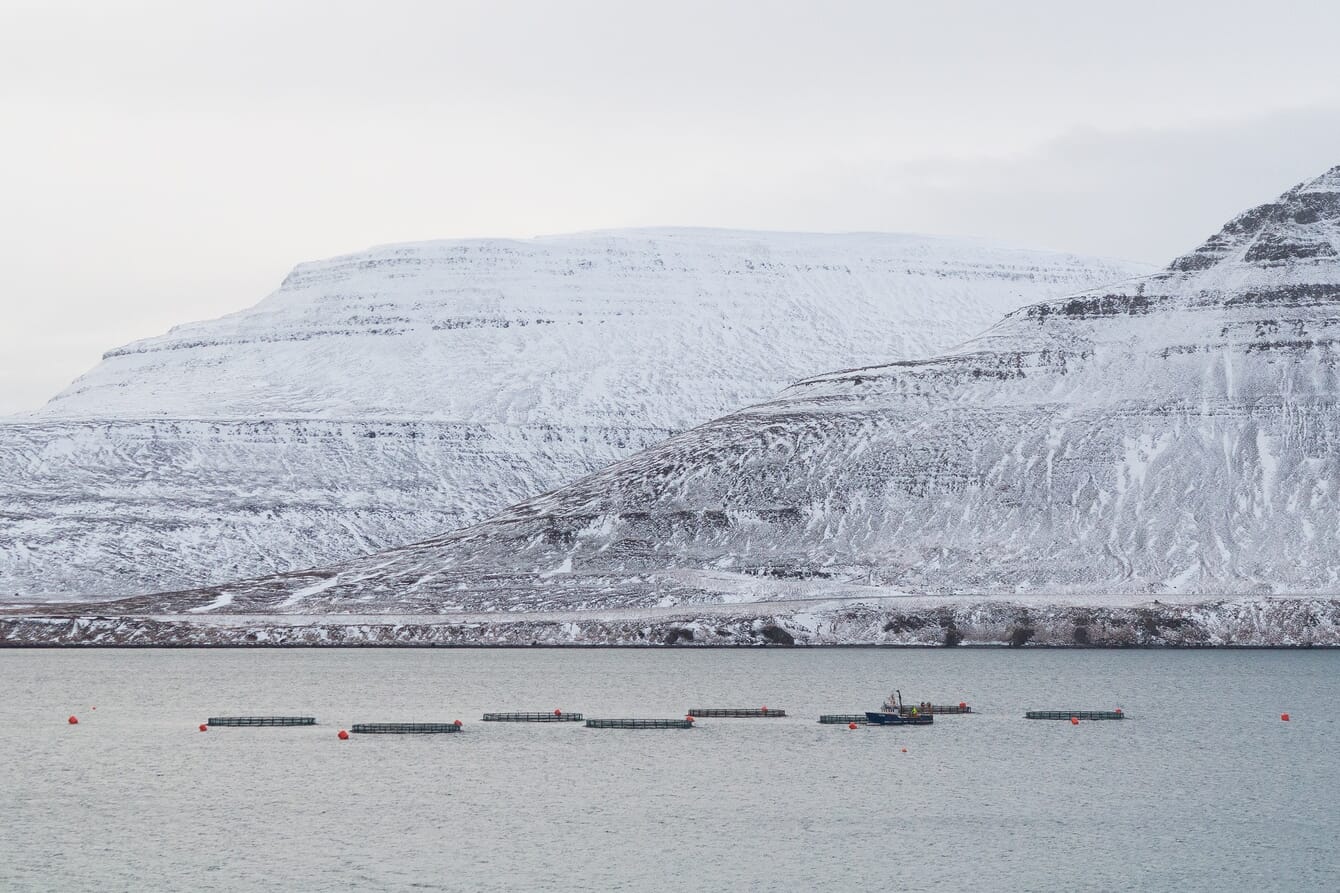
(1176, 434)
(384, 396)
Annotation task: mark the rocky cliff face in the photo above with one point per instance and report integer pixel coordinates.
(378, 398)
(1173, 434)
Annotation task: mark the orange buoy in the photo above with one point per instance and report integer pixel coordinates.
(1074, 720)
(690, 718)
(852, 726)
(765, 708)
(1283, 716)
(963, 705)
(1118, 710)
(904, 750)
(558, 713)
(204, 727)
(73, 720)
(458, 723)
(343, 736)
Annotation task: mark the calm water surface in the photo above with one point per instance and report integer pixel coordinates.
(1204, 788)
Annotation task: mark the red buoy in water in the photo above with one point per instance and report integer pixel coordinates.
(1118, 710)
(458, 723)
(204, 727)
(1074, 720)
(963, 705)
(690, 718)
(904, 750)
(852, 726)
(343, 736)
(73, 720)
(765, 708)
(558, 713)
(1283, 716)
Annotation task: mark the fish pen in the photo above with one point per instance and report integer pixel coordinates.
(940, 709)
(262, 721)
(533, 717)
(843, 719)
(737, 712)
(1075, 714)
(405, 728)
(638, 724)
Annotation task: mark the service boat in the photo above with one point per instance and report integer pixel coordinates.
(891, 714)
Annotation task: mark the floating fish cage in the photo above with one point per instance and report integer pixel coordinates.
(405, 728)
(262, 721)
(940, 709)
(638, 724)
(735, 712)
(843, 719)
(1077, 714)
(532, 717)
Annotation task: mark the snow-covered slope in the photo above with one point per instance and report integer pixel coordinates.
(381, 397)
(1174, 434)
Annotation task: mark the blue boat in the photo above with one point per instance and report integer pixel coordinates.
(893, 715)
(880, 718)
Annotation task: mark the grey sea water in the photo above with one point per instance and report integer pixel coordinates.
(1203, 788)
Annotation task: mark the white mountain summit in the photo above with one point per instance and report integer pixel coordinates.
(385, 396)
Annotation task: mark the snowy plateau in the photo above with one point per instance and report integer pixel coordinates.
(383, 397)
(1150, 462)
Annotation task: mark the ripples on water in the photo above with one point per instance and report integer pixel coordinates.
(1204, 788)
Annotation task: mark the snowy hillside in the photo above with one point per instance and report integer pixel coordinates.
(380, 397)
(1174, 435)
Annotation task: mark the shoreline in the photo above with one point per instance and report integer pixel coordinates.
(1264, 622)
(391, 646)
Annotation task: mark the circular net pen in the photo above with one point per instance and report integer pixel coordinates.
(736, 712)
(638, 724)
(1076, 714)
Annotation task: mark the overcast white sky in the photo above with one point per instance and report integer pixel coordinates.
(164, 162)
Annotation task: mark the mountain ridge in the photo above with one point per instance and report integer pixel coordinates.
(378, 397)
(1176, 434)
